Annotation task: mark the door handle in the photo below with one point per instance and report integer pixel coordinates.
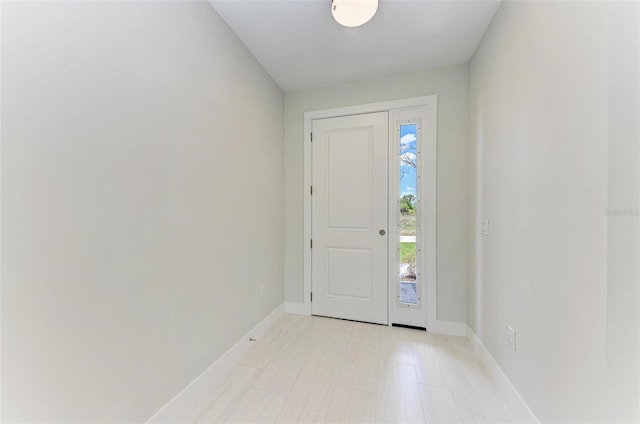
(381, 232)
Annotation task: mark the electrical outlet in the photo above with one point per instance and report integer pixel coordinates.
(261, 291)
(511, 338)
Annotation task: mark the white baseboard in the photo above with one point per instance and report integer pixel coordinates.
(508, 390)
(450, 328)
(185, 402)
(297, 308)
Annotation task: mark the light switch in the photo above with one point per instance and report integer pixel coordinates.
(511, 338)
(484, 227)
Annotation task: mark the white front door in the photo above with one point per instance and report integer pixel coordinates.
(349, 217)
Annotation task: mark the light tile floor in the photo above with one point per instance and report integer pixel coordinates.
(313, 369)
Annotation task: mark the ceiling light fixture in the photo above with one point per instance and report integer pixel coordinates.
(353, 13)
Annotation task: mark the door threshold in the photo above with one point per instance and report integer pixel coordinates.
(351, 320)
(412, 327)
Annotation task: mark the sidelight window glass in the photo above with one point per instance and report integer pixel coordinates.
(408, 204)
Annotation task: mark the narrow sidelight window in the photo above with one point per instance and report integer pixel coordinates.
(409, 213)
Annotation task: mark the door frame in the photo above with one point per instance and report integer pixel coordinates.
(428, 213)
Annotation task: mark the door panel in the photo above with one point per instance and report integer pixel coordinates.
(349, 208)
(349, 174)
(350, 273)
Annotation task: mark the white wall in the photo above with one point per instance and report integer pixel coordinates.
(450, 84)
(142, 195)
(623, 223)
(543, 171)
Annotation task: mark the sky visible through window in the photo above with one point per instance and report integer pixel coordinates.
(408, 138)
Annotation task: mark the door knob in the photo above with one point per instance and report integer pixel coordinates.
(382, 232)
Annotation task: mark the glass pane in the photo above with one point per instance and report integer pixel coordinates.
(408, 213)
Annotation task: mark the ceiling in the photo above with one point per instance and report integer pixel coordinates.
(302, 47)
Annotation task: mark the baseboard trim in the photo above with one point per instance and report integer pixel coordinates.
(506, 387)
(185, 402)
(450, 328)
(297, 308)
